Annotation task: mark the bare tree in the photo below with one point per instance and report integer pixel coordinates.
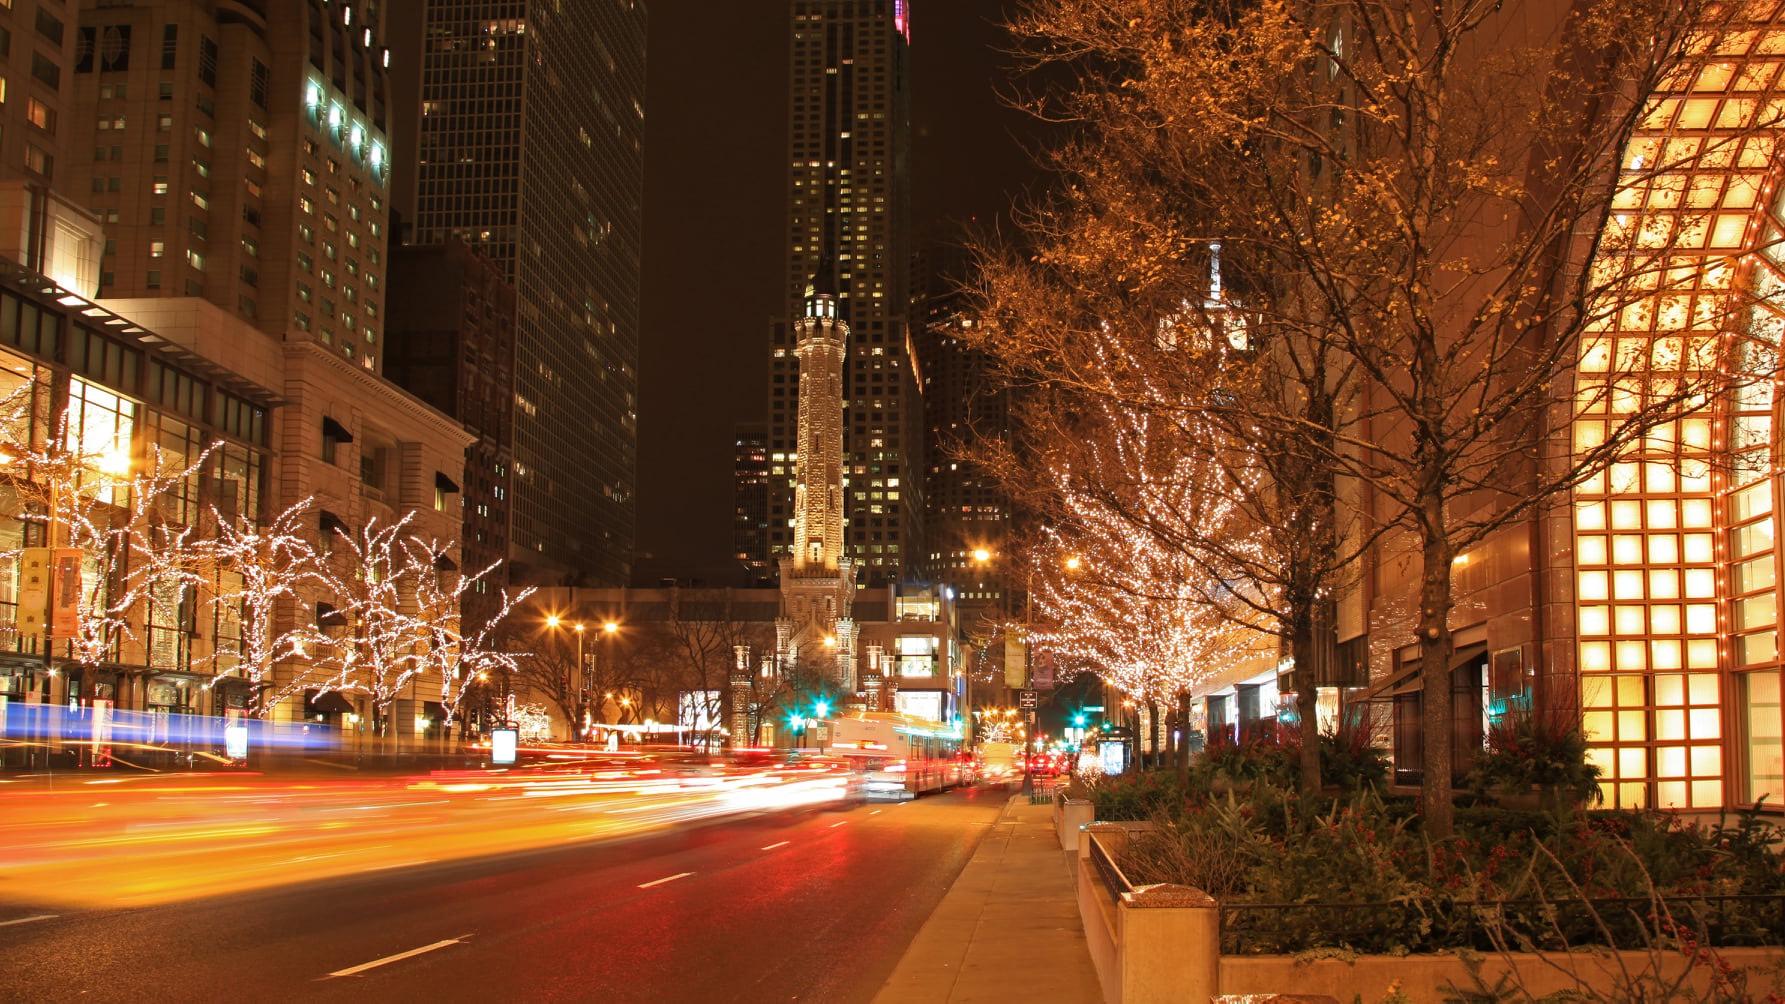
(1428, 194)
(705, 634)
(374, 574)
(261, 571)
(461, 661)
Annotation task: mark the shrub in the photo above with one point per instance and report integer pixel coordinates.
(1359, 875)
(1527, 750)
(1136, 795)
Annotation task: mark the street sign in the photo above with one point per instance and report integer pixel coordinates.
(1026, 700)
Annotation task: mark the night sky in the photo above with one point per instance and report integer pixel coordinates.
(715, 207)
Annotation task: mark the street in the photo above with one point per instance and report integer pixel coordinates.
(803, 903)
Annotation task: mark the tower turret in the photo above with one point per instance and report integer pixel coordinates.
(821, 340)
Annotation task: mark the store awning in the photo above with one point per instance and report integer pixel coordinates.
(330, 523)
(1405, 679)
(445, 484)
(335, 430)
(327, 703)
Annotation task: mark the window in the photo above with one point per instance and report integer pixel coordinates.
(46, 71)
(159, 186)
(40, 115)
(257, 84)
(39, 160)
(49, 26)
(197, 260)
(164, 123)
(199, 200)
(170, 44)
(207, 60)
(157, 248)
(100, 426)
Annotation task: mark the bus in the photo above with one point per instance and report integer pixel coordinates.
(899, 756)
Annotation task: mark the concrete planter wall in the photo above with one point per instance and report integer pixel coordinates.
(1071, 815)
(1163, 943)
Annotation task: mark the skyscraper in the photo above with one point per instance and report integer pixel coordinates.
(240, 157)
(964, 406)
(531, 139)
(451, 344)
(750, 503)
(849, 143)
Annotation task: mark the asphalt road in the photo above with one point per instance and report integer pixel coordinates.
(794, 905)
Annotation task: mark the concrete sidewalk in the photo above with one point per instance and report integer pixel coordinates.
(1008, 929)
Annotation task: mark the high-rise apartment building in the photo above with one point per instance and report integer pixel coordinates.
(41, 227)
(531, 139)
(238, 154)
(750, 503)
(849, 143)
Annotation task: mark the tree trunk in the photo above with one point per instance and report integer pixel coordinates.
(1153, 712)
(1435, 649)
(1301, 653)
(1183, 752)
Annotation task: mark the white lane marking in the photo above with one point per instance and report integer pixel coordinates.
(783, 843)
(400, 956)
(29, 920)
(876, 812)
(840, 822)
(660, 881)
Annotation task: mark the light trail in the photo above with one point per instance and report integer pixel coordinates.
(178, 836)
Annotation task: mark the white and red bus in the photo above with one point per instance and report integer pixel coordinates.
(899, 756)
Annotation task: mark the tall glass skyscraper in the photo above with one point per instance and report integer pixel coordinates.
(849, 184)
(530, 146)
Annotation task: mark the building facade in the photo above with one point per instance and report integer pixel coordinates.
(750, 503)
(451, 322)
(849, 183)
(240, 169)
(967, 522)
(1646, 601)
(531, 138)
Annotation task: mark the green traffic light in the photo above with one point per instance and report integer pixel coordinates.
(821, 709)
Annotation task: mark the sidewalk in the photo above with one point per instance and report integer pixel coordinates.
(1008, 928)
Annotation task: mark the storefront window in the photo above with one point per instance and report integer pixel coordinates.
(1763, 718)
(100, 427)
(237, 494)
(1662, 615)
(917, 656)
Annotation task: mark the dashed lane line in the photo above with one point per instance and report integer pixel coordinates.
(400, 956)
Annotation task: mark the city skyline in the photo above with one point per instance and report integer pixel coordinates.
(957, 71)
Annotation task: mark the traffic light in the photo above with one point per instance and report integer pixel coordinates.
(822, 709)
(1079, 719)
